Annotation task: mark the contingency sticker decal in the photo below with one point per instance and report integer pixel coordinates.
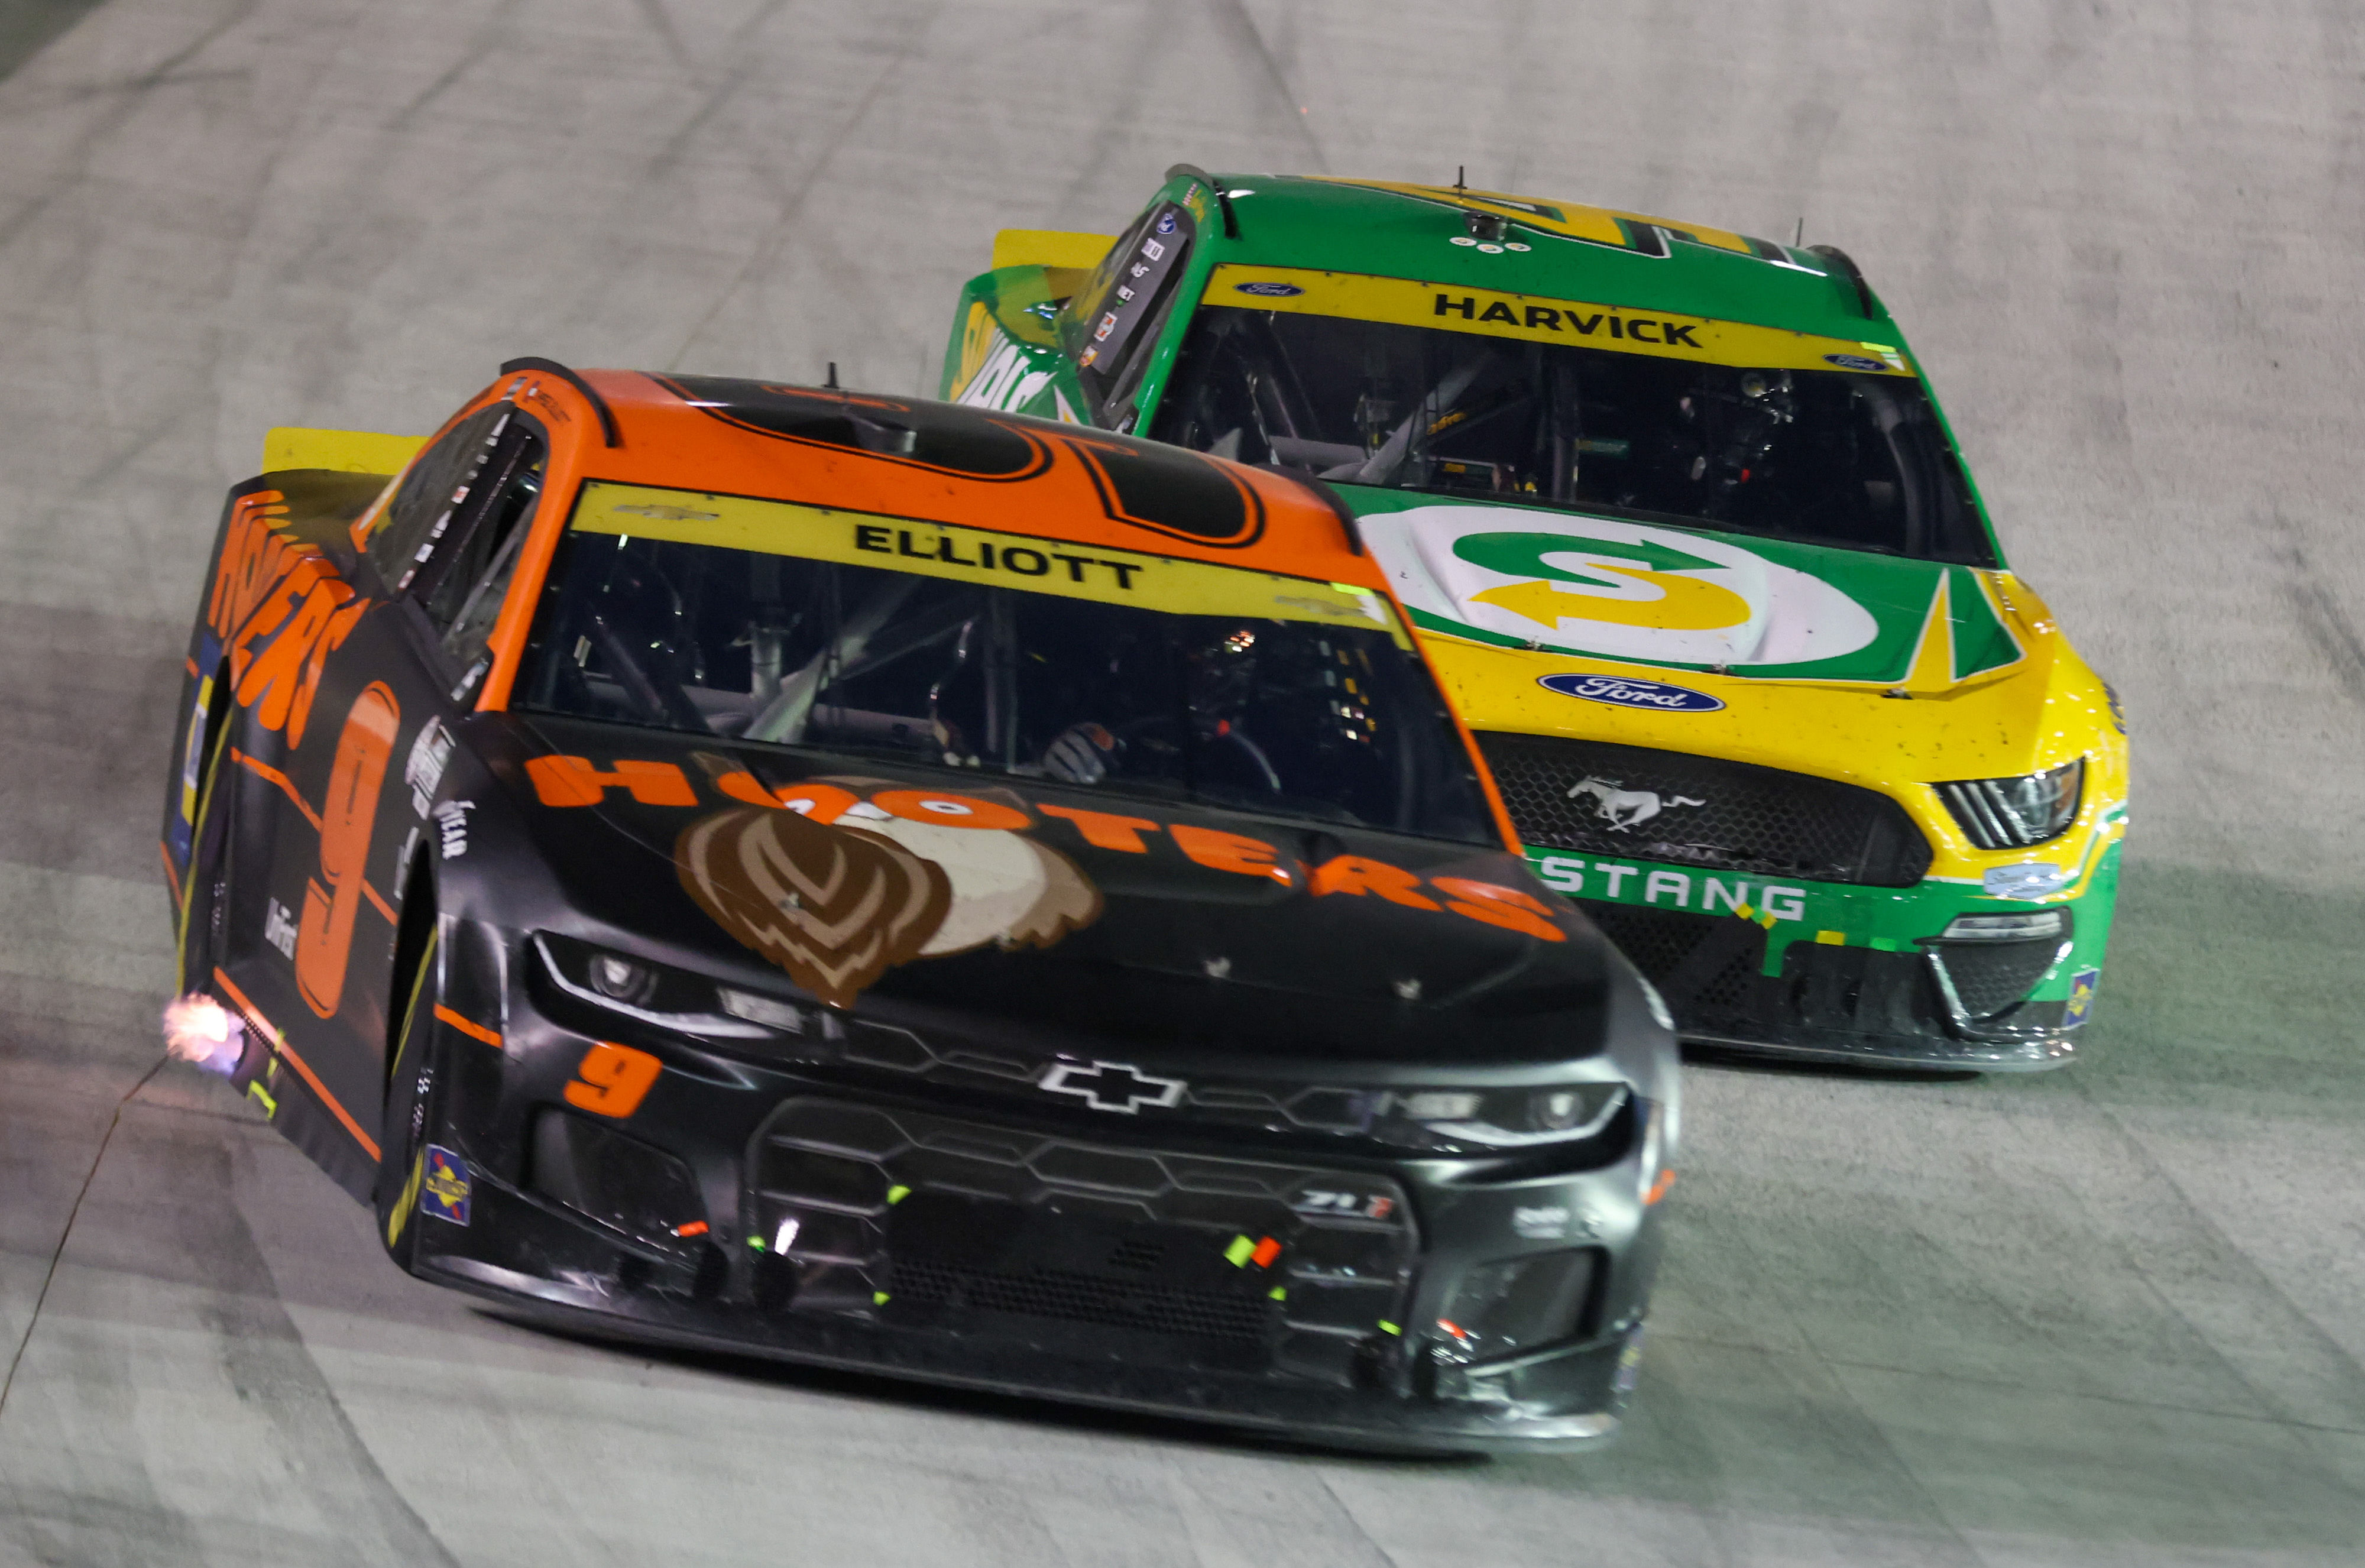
(1565, 584)
(445, 1190)
(2081, 997)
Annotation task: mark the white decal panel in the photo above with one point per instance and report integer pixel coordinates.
(1611, 588)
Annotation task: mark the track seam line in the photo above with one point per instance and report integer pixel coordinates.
(74, 1213)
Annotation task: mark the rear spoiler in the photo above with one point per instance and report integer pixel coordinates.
(1050, 248)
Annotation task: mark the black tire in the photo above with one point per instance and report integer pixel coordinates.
(410, 1099)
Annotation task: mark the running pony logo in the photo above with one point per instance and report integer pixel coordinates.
(1624, 808)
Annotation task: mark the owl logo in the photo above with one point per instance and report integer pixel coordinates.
(837, 890)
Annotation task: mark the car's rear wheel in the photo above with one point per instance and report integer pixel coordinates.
(410, 1102)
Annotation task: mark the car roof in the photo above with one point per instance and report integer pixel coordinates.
(912, 457)
(1575, 251)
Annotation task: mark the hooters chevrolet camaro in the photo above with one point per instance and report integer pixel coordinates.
(883, 884)
(1686, 538)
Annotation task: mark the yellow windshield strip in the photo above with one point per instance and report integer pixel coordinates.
(1527, 317)
(1055, 567)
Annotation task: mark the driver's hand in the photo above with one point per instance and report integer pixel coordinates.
(1080, 753)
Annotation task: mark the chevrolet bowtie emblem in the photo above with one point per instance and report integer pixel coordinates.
(1112, 1086)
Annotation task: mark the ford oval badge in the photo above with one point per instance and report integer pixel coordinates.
(1620, 692)
(1268, 289)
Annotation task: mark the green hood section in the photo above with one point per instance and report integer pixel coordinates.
(1680, 598)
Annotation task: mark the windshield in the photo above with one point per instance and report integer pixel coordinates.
(1853, 457)
(955, 647)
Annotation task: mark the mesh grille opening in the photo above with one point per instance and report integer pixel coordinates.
(1989, 976)
(1700, 811)
(1662, 943)
(1070, 1296)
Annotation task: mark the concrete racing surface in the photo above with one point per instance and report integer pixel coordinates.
(2112, 1315)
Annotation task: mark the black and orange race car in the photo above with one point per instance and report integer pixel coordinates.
(907, 888)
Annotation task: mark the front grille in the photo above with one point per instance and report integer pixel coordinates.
(1068, 1296)
(925, 1221)
(1672, 806)
(1989, 976)
(1707, 985)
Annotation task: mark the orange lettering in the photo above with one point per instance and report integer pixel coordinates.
(1506, 907)
(1236, 852)
(324, 934)
(940, 809)
(573, 781)
(742, 785)
(275, 675)
(332, 638)
(1104, 830)
(1354, 874)
(822, 803)
(612, 1079)
(238, 582)
(303, 572)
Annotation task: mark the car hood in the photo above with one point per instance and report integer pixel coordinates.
(1850, 664)
(1066, 913)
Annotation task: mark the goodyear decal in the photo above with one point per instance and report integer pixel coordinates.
(1405, 302)
(976, 555)
(1594, 587)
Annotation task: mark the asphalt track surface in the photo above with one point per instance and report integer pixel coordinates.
(2114, 1314)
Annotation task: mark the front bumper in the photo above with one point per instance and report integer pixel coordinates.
(778, 1212)
(1842, 973)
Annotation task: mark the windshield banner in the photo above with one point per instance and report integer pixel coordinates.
(976, 555)
(1531, 318)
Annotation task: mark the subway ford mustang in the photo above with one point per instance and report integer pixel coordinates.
(885, 885)
(1688, 541)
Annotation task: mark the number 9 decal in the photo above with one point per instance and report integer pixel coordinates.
(612, 1079)
(324, 937)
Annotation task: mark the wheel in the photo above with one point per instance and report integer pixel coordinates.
(410, 1113)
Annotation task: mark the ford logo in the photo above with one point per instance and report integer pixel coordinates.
(1855, 362)
(1269, 290)
(1620, 692)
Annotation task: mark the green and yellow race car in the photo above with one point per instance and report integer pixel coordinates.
(1693, 549)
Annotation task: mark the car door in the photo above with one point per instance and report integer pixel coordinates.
(362, 776)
